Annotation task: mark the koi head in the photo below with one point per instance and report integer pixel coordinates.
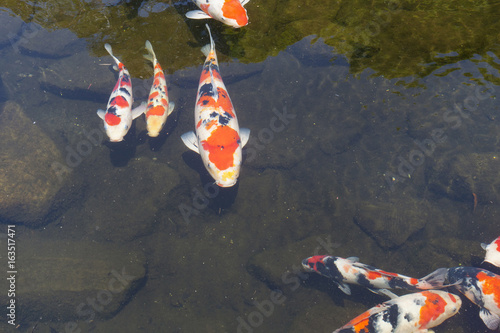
(437, 307)
(314, 264)
(221, 154)
(116, 128)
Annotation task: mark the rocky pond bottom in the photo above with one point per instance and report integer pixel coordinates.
(131, 237)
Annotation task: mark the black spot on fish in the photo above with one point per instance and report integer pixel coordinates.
(363, 281)
(408, 317)
(329, 269)
(126, 79)
(206, 90)
(223, 120)
(213, 114)
(125, 91)
(227, 114)
(112, 110)
(391, 315)
(419, 302)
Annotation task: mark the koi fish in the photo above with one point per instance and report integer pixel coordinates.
(158, 107)
(480, 286)
(343, 271)
(119, 114)
(230, 12)
(218, 138)
(410, 313)
(492, 252)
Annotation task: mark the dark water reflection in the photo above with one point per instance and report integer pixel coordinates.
(374, 140)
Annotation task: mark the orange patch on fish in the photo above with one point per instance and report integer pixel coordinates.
(497, 242)
(112, 119)
(153, 95)
(434, 306)
(155, 111)
(221, 146)
(210, 124)
(413, 281)
(491, 285)
(204, 8)
(360, 322)
(372, 275)
(234, 10)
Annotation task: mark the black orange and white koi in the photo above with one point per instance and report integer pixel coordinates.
(481, 287)
(412, 313)
(119, 114)
(218, 138)
(230, 12)
(492, 252)
(158, 107)
(350, 271)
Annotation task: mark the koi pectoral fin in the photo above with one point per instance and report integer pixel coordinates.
(191, 141)
(244, 2)
(244, 136)
(101, 113)
(344, 287)
(139, 110)
(171, 106)
(197, 15)
(491, 320)
(384, 292)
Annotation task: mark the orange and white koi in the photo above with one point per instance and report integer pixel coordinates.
(482, 288)
(343, 271)
(119, 114)
(158, 107)
(230, 12)
(492, 252)
(412, 313)
(218, 138)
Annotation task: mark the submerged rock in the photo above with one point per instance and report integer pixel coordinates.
(391, 223)
(67, 280)
(31, 191)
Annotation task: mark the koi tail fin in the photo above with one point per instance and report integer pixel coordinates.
(209, 47)
(434, 280)
(151, 56)
(110, 51)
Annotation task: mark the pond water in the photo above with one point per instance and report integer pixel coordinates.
(374, 133)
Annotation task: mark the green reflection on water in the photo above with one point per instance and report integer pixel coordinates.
(396, 39)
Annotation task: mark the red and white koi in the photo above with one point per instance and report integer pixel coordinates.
(492, 252)
(230, 12)
(158, 107)
(412, 313)
(343, 271)
(218, 138)
(481, 287)
(119, 114)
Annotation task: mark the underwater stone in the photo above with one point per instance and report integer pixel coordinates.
(30, 188)
(59, 279)
(390, 224)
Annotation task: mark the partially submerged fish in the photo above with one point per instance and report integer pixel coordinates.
(158, 107)
(230, 12)
(492, 252)
(350, 271)
(412, 313)
(119, 114)
(218, 137)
